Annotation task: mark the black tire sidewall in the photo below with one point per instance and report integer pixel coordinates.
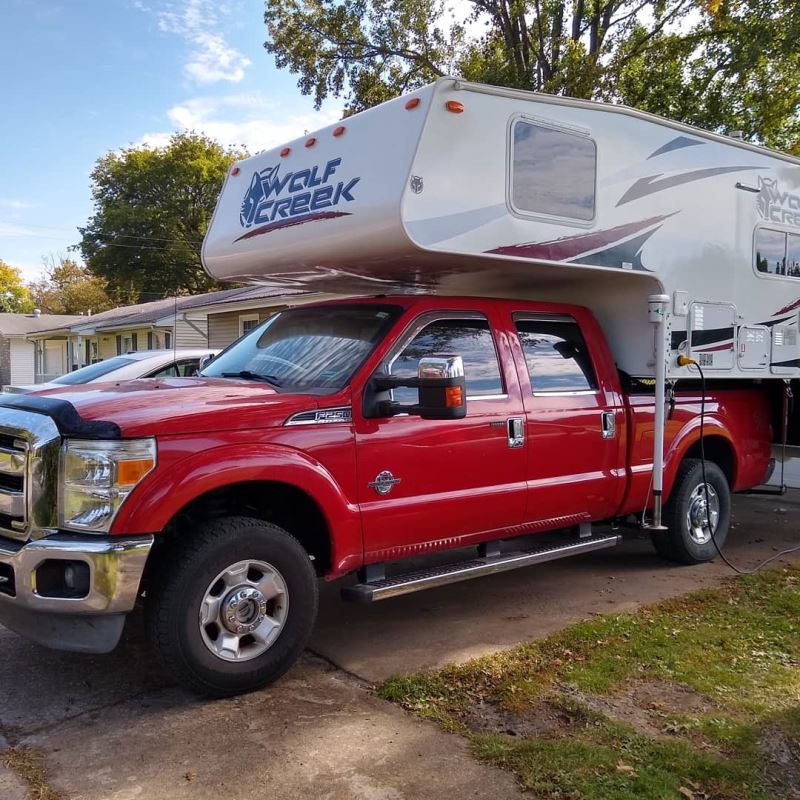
(683, 546)
(188, 582)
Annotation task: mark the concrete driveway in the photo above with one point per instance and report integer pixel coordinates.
(114, 728)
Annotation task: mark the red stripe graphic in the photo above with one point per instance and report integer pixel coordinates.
(572, 246)
(790, 307)
(291, 222)
(728, 346)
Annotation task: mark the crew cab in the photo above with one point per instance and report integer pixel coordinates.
(339, 438)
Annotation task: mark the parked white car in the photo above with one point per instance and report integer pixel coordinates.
(141, 364)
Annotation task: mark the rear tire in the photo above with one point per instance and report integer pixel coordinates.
(232, 606)
(688, 539)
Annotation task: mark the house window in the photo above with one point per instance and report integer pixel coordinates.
(247, 322)
(552, 172)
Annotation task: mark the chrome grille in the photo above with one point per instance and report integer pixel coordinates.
(29, 447)
(13, 466)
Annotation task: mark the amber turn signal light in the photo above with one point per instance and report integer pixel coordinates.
(454, 396)
(454, 107)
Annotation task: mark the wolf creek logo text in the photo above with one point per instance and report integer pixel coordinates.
(273, 196)
(775, 205)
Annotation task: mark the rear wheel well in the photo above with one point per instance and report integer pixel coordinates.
(719, 450)
(282, 504)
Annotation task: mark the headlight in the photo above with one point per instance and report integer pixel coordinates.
(96, 478)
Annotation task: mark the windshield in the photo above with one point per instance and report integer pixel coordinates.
(86, 374)
(314, 348)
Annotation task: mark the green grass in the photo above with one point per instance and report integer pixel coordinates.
(735, 650)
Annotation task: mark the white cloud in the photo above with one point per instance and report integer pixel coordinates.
(15, 205)
(11, 230)
(211, 58)
(242, 119)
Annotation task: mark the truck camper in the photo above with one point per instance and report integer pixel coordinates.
(565, 314)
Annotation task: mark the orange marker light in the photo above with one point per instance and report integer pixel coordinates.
(130, 472)
(311, 142)
(454, 106)
(454, 397)
(285, 152)
(412, 103)
(235, 171)
(339, 131)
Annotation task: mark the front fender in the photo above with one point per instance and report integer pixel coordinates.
(176, 483)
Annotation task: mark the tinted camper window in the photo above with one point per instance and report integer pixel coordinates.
(778, 253)
(553, 172)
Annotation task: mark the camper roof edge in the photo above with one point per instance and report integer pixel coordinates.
(617, 108)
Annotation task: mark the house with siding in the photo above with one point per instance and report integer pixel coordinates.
(212, 320)
(18, 351)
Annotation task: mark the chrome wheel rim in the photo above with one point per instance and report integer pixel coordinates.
(243, 610)
(696, 516)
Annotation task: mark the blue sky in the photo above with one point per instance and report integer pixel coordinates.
(80, 78)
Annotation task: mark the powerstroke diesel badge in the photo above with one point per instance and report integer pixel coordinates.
(273, 197)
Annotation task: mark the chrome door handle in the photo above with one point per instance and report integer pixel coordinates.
(608, 424)
(516, 431)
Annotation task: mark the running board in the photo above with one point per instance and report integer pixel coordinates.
(462, 571)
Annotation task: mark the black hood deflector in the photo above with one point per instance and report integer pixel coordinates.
(66, 417)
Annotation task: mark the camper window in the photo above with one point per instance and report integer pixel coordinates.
(777, 253)
(469, 338)
(556, 355)
(552, 172)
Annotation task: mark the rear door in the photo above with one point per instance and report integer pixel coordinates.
(575, 422)
(431, 484)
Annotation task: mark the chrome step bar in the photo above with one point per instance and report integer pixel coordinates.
(372, 591)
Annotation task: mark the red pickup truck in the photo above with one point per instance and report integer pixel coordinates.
(334, 439)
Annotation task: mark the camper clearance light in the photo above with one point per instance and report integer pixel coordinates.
(339, 131)
(454, 106)
(285, 152)
(412, 103)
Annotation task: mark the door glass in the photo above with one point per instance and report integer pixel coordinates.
(469, 338)
(556, 355)
(188, 367)
(165, 372)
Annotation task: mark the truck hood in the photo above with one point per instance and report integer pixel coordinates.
(174, 406)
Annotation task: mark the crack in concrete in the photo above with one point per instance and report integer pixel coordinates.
(353, 677)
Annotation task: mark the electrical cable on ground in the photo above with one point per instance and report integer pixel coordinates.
(737, 570)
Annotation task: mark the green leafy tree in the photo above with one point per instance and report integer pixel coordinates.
(723, 64)
(152, 208)
(69, 288)
(14, 295)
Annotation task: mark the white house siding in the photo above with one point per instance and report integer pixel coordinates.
(192, 332)
(224, 328)
(22, 365)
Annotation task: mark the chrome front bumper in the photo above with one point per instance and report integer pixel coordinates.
(92, 622)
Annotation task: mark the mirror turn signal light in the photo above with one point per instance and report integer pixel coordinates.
(454, 396)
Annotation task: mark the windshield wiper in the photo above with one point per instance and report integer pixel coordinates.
(249, 375)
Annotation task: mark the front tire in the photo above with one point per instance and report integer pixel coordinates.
(688, 539)
(232, 606)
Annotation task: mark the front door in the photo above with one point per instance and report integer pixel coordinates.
(432, 484)
(575, 424)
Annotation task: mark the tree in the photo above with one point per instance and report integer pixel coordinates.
(723, 64)
(152, 208)
(69, 288)
(14, 295)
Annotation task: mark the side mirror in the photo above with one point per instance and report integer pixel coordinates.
(205, 361)
(441, 385)
(442, 389)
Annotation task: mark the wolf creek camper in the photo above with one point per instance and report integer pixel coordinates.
(553, 314)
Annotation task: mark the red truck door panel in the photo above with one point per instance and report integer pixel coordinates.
(575, 421)
(447, 479)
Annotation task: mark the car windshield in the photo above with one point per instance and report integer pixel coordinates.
(93, 371)
(314, 348)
